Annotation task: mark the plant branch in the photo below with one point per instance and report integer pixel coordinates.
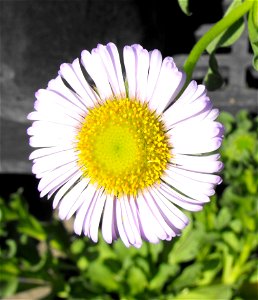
(211, 34)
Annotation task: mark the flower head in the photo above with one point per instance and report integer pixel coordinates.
(124, 153)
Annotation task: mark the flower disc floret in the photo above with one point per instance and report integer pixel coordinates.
(123, 146)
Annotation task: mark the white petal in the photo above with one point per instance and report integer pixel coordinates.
(83, 211)
(71, 197)
(169, 83)
(178, 175)
(57, 85)
(55, 117)
(53, 161)
(37, 141)
(70, 73)
(91, 95)
(48, 98)
(154, 208)
(48, 151)
(110, 59)
(120, 225)
(66, 187)
(90, 213)
(190, 191)
(177, 198)
(207, 164)
(115, 233)
(213, 114)
(197, 146)
(40, 127)
(126, 222)
(149, 225)
(154, 70)
(95, 218)
(210, 178)
(85, 195)
(108, 219)
(133, 222)
(173, 216)
(142, 67)
(205, 129)
(55, 175)
(130, 68)
(176, 113)
(93, 65)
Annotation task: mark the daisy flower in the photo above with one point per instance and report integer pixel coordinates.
(121, 153)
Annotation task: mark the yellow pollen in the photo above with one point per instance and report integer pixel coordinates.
(123, 146)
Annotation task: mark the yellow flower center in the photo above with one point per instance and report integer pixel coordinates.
(123, 146)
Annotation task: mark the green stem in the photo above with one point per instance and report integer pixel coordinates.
(211, 34)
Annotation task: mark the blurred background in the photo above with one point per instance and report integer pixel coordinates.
(38, 35)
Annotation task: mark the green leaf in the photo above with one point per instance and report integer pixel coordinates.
(187, 246)
(227, 120)
(188, 277)
(99, 274)
(136, 280)
(215, 292)
(32, 227)
(239, 146)
(184, 5)
(162, 276)
(254, 12)
(9, 287)
(223, 218)
(231, 34)
(232, 240)
(210, 269)
(77, 246)
(253, 32)
(213, 79)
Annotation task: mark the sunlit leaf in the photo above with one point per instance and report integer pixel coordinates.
(223, 218)
(211, 292)
(253, 32)
(8, 288)
(187, 246)
(163, 275)
(184, 5)
(232, 240)
(99, 274)
(231, 34)
(188, 277)
(136, 280)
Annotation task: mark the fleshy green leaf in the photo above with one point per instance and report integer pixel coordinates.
(188, 246)
(136, 280)
(223, 218)
(253, 32)
(184, 5)
(99, 274)
(9, 287)
(162, 276)
(232, 240)
(188, 277)
(231, 34)
(211, 292)
(213, 79)
(227, 120)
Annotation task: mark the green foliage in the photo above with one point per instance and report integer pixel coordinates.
(253, 32)
(224, 33)
(184, 5)
(215, 258)
(228, 37)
